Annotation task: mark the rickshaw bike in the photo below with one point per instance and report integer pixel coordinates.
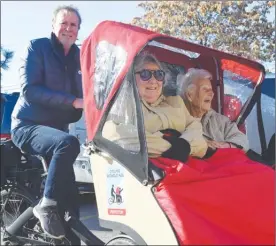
(147, 213)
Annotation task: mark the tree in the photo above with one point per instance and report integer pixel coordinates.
(237, 27)
(6, 57)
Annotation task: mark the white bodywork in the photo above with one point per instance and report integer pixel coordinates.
(82, 165)
(142, 212)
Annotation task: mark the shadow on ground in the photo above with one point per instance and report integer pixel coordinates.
(89, 212)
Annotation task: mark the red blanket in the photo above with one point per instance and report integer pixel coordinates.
(226, 199)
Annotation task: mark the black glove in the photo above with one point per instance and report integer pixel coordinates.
(236, 145)
(171, 132)
(180, 149)
(210, 151)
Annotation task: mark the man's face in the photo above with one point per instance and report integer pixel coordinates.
(66, 28)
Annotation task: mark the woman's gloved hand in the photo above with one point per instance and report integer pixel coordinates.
(180, 149)
(171, 132)
(210, 151)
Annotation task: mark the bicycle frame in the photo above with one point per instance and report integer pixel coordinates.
(73, 223)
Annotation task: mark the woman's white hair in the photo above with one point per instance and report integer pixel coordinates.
(187, 81)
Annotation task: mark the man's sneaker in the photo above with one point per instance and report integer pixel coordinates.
(50, 220)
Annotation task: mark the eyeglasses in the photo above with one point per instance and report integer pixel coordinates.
(146, 74)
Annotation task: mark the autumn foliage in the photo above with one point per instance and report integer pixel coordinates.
(245, 28)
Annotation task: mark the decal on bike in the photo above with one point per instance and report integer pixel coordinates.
(115, 190)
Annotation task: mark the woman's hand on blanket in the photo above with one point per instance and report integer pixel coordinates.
(171, 132)
(217, 145)
(212, 144)
(180, 149)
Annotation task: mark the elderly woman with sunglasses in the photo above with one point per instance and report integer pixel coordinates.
(220, 132)
(170, 130)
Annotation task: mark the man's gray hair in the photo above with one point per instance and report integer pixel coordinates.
(69, 8)
(187, 81)
(143, 58)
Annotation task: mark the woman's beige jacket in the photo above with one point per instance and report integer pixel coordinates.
(166, 112)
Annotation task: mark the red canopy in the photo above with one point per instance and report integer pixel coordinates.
(133, 39)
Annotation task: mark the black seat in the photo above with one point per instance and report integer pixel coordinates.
(19, 166)
(270, 152)
(155, 173)
(268, 158)
(32, 159)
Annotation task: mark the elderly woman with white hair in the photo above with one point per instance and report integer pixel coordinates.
(197, 93)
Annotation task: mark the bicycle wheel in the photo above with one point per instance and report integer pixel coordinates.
(14, 201)
(119, 200)
(111, 200)
(121, 241)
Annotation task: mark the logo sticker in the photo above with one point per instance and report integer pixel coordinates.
(115, 190)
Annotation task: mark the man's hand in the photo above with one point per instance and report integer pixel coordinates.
(219, 145)
(78, 103)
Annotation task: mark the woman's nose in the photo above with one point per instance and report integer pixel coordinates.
(152, 80)
(210, 92)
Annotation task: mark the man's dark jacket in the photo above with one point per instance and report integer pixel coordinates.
(50, 82)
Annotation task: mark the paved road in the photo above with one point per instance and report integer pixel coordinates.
(89, 216)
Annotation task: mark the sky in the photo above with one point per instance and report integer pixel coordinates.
(22, 21)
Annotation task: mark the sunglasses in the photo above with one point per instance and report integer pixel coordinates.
(146, 74)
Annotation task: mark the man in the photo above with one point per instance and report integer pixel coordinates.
(50, 99)
(113, 193)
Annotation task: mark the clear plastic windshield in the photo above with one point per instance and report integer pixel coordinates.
(177, 50)
(171, 87)
(237, 86)
(110, 60)
(121, 124)
(237, 90)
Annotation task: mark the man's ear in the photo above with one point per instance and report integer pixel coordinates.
(53, 21)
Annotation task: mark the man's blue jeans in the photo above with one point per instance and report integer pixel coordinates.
(60, 149)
